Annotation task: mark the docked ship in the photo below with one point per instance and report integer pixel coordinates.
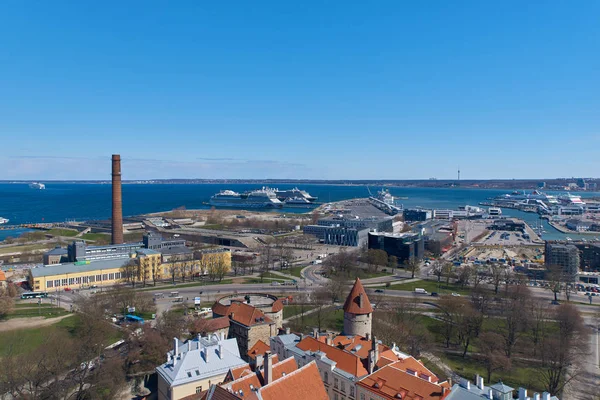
(3, 220)
(516, 197)
(261, 198)
(283, 195)
(571, 200)
(37, 185)
(299, 202)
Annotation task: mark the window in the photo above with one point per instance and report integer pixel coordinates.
(351, 391)
(117, 275)
(64, 282)
(92, 278)
(335, 383)
(343, 386)
(111, 277)
(335, 396)
(84, 279)
(49, 284)
(198, 389)
(99, 278)
(326, 377)
(78, 280)
(362, 396)
(71, 281)
(104, 277)
(57, 282)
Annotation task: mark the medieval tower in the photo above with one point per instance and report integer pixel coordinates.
(358, 312)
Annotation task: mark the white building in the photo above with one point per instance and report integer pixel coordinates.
(192, 367)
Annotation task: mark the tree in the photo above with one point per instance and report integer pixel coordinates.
(513, 321)
(437, 269)
(468, 323)
(413, 265)
(539, 315)
(447, 271)
(6, 304)
(562, 350)
(336, 287)
(392, 262)
(494, 358)
(496, 271)
(555, 280)
(463, 275)
(129, 272)
(375, 258)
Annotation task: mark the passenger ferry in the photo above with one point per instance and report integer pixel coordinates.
(261, 198)
(37, 185)
(4, 220)
(570, 199)
(283, 195)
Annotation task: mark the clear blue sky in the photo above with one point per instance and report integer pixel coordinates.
(295, 89)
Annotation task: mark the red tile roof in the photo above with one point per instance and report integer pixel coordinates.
(304, 383)
(237, 373)
(218, 393)
(414, 365)
(390, 382)
(211, 325)
(277, 306)
(243, 313)
(360, 346)
(256, 380)
(357, 301)
(351, 363)
(259, 347)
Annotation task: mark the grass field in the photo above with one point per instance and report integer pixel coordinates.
(431, 286)
(62, 232)
(25, 248)
(170, 287)
(294, 271)
(98, 238)
(294, 309)
(332, 319)
(45, 310)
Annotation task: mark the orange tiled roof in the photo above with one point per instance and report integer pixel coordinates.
(412, 364)
(345, 361)
(389, 382)
(277, 306)
(353, 303)
(259, 347)
(218, 393)
(360, 346)
(215, 324)
(243, 313)
(237, 373)
(304, 383)
(255, 381)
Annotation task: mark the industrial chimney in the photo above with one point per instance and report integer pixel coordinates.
(117, 201)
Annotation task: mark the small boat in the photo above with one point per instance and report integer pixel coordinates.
(3, 220)
(37, 185)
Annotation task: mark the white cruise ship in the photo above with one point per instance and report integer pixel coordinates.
(294, 193)
(4, 220)
(37, 185)
(261, 198)
(571, 200)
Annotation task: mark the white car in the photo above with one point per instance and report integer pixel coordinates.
(455, 294)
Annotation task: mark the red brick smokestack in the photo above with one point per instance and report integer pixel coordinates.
(117, 201)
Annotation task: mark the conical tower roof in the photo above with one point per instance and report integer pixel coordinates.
(357, 301)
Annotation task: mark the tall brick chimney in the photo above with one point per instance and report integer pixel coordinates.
(117, 201)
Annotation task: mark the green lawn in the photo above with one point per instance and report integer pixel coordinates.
(431, 286)
(97, 237)
(332, 319)
(25, 248)
(294, 271)
(28, 340)
(169, 286)
(62, 232)
(295, 309)
(520, 374)
(45, 311)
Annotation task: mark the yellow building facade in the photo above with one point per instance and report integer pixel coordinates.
(78, 275)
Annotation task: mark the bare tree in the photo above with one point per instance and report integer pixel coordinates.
(492, 350)
(463, 275)
(514, 320)
(413, 265)
(562, 351)
(539, 315)
(496, 271)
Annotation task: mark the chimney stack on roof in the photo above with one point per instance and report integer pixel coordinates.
(287, 330)
(545, 396)
(220, 351)
(175, 347)
(479, 381)
(536, 396)
(315, 333)
(268, 370)
(522, 393)
(117, 201)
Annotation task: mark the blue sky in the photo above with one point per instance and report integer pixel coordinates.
(324, 90)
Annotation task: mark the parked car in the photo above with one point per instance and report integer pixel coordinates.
(378, 291)
(434, 294)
